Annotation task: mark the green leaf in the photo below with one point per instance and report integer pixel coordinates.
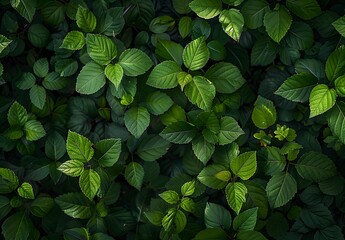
(201, 92)
(253, 12)
(339, 25)
(250, 235)
(4, 42)
(76, 234)
(155, 217)
(17, 115)
(66, 67)
(188, 204)
(202, 149)
(134, 62)
(114, 72)
(137, 119)
(196, 54)
(188, 188)
(100, 48)
(41, 206)
(108, 151)
(158, 103)
(216, 216)
(174, 221)
(315, 166)
(257, 198)
(86, 20)
(214, 176)
(277, 22)
(75, 205)
(34, 130)
(38, 35)
(25, 191)
(264, 51)
(168, 50)
(38, 96)
(229, 130)
(17, 227)
(74, 40)
(183, 79)
(226, 77)
(313, 66)
(297, 88)
(244, 165)
(134, 174)
(55, 146)
(170, 196)
(211, 234)
(280, 189)
(306, 9)
(246, 220)
(329, 233)
(73, 168)
(54, 82)
(271, 159)
(179, 132)
(236, 195)
(184, 26)
(90, 79)
(335, 66)
(206, 9)
(321, 99)
(26, 81)
(8, 181)
(300, 36)
(79, 147)
(164, 75)
(339, 85)
(152, 147)
(264, 114)
(26, 8)
(336, 120)
(89, 183)
(232, 23)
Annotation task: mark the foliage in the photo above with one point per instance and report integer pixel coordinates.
(180, 119)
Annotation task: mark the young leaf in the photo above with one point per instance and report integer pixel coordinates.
(321, 99)
(17, 115)
(164, 75)
(280, 189)
(206, 9)
(339, 84)
(108, 151)
(188, 204)
(229, 130)
(196, 54)
(74, 40)
(73, 168)
(188, 188)
(137, 119)
(134, 62)
(89, 183)
(75, 205)
(179, 132)
(216, 216)
(232, 23)
(336, 120)
(277, 22)
(236, 195)
(90, 79)
(86, 20)
(201, 92)
(8, 181)
(34, 130)
(134, 174)
(114, 72)
(170, 196)
(246, 220)
(244, 165)
(264, 114)
(25, 191)
(306, 9)
(79, 147)
(100, 48)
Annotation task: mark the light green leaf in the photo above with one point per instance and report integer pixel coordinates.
(26, 8)
(214, 176)
(174, 221)
(17, 226)
(188, 204)
(89, 183)
(170, 196)
(137, 119)
(4, 42)
(244, 165)
(202, 149)
(155, 217)
(216, 216)
(315, 167)
(306, 9)
(73, 168)
(188, 188)
(229, 130)
(236, 195)
(114, 72)
(280, 189)
(164, 75)
(134, 174)
(74, 40)
(183, 79)
(339, 25)
(86, 20)
(321, 99)
(184, 26)
(108, 151)
(8, 181)
(336, 120)
(174, 114)
(17, 115)
(339, 85)
(25, 191)
(79, 147)
(179, 132)
(152, 147)
(201, 92)
(158, 103)
(196, 54)
(277, 22)
(253, 12)
(90, 79)
(75, 205)
(246, 220)
(38, 96)
(264, 114)
(297, 88)
(335, 66)
(100, 48)
(232, 23)
(34, 130)
(206, 9)
(134, 62)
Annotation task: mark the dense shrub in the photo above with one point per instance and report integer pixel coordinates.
(181, 119)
